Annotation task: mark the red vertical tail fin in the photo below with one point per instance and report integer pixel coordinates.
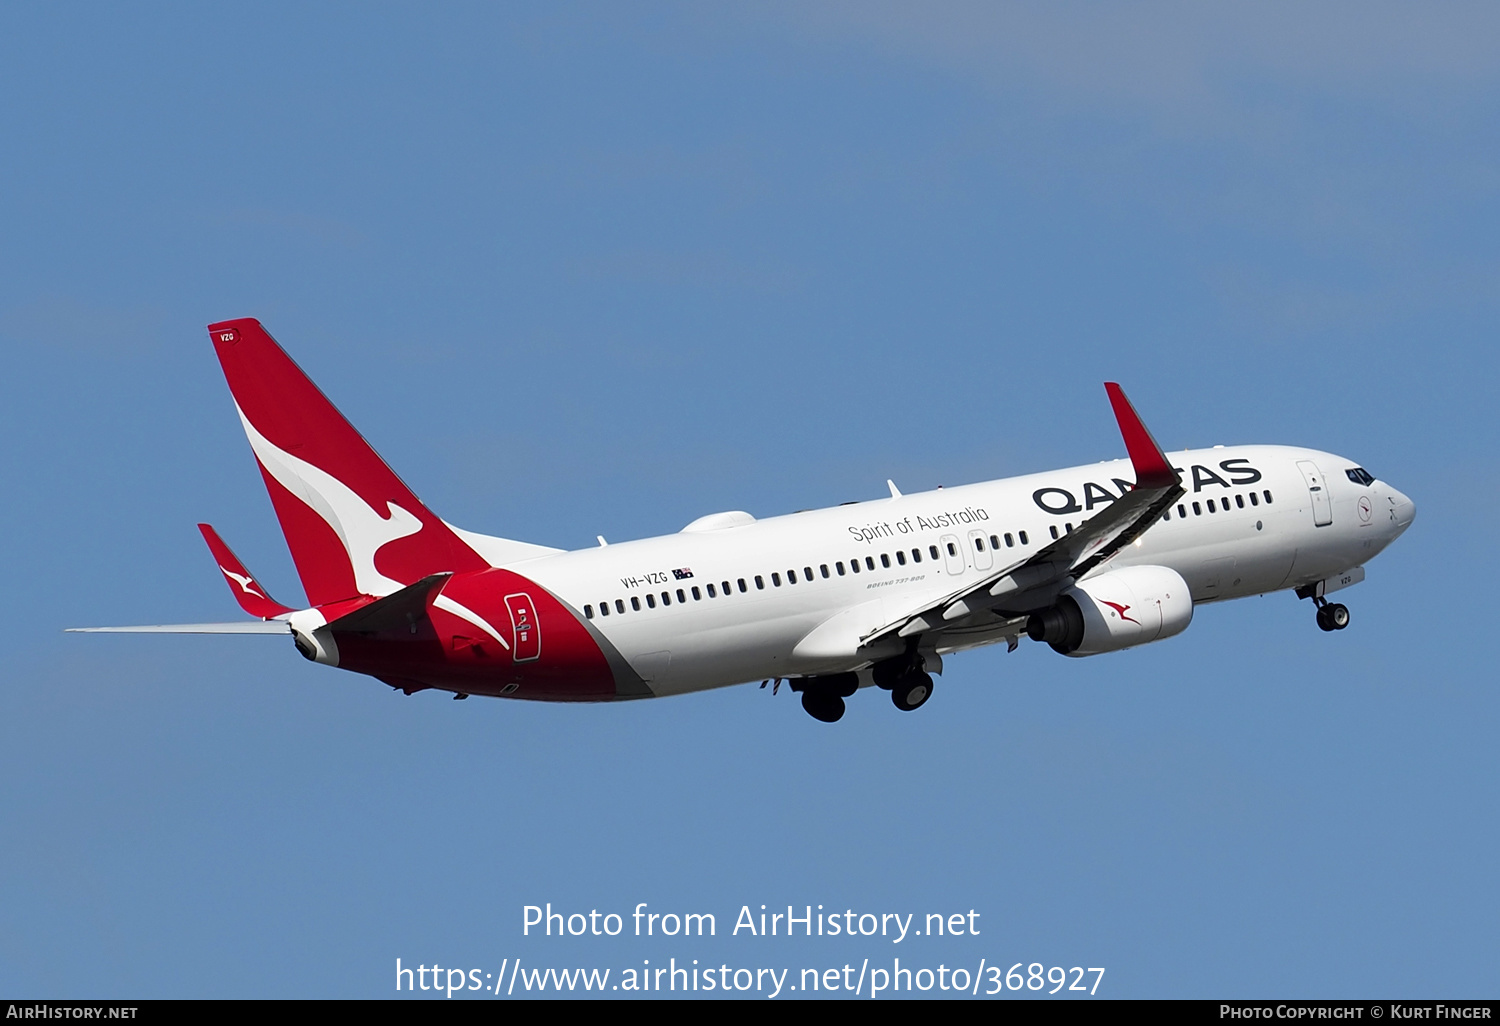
(353, 527)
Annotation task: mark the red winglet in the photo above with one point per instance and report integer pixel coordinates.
(1151, 467)
(246, 589)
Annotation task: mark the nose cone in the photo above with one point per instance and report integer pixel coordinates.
(1403, 510)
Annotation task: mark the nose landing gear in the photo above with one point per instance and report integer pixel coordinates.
(1332, 616)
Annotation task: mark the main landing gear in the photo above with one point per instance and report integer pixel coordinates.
(909, 684)
(823, 697)
(1332, 616)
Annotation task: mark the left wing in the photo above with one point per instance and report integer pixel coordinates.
(1035, 582)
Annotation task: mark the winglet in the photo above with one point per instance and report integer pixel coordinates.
(245, 588)
(1151, 467)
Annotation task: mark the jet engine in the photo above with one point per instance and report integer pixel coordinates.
(1115, 610)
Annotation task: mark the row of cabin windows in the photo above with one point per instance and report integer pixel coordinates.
(838, 570)
(1222, 506)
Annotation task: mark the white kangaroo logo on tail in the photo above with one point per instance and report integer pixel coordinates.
(361, 528)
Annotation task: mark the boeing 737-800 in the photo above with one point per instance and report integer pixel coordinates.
(1086, 560)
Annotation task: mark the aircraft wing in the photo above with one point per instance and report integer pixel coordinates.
(1033, 583)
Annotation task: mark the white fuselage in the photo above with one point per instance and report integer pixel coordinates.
(684, 633)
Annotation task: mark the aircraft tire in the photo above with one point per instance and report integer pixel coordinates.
(821, 705)
(1338, 615)
(1324, 623)
(912, 691)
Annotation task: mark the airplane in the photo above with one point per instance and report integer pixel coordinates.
(1086, 560)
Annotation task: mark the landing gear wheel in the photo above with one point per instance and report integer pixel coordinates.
(911, 691)
(1338, 615)
(1324, 621)
(822, 706)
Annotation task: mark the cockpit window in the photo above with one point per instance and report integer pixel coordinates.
(1360, 476)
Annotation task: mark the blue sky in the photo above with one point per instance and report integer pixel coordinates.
(579, 270)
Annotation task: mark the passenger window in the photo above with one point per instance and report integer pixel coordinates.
(1267, 494)
(900, 557)
(1053, 529)
(839, 566)
(916, 555)
(681, 597)
(760, 584)
(1197, 510)
(635, 603)
(1211, 506)
(952, 549)
(1181, 510)
(588, 612)
(823, 569)
(620, 605)
(1166, 516)
(885, 561)
(791, 577)
(994, 541)
(744, 589)
(932, 551)
(775, 579)
(711, 592)
(666, 598)
(869, 562)
(1022, 536)
(979, 544)
(697, 595)
(1239, 500)
(854, 565)
(807, 573)
(604, 608)
(1068, 528)
(1254, 499)
(1010, 541)
(651, 601)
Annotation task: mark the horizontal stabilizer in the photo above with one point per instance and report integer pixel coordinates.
(238, 627)
(399, 609)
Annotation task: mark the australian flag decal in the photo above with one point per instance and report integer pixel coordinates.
(682, 574)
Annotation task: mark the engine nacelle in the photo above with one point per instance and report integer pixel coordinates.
(1118, 609)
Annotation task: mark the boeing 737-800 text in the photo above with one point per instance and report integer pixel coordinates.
(1087, 560)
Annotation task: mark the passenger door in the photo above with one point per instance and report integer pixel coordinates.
(1316, 487)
